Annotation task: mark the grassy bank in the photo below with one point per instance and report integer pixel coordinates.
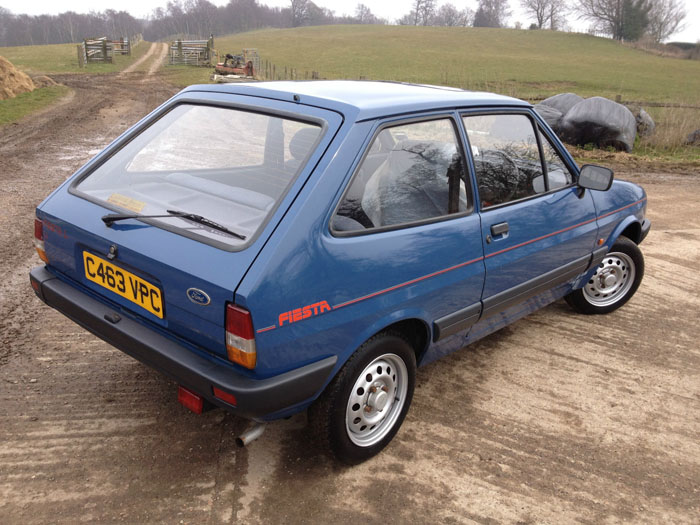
(522, 63)
(13, 109)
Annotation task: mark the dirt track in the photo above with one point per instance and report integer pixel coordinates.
(558, 418)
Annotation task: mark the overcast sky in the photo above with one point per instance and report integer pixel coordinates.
(389, 9)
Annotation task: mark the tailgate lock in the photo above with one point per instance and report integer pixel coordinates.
(112, 252)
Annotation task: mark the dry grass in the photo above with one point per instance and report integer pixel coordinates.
(673, 125)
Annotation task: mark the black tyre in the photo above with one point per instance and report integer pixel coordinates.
(615, 281)
(363, 407)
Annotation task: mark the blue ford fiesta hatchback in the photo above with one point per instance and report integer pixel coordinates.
(281, 246)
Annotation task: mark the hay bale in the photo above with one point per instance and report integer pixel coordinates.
(12, 81)
(43, 81)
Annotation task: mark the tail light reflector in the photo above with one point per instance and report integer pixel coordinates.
(190, 400)
(224, 396)
(39, 240)
(240, 336)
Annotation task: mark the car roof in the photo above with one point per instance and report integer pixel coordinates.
(362, 100)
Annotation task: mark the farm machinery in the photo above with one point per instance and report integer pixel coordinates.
(235, 65)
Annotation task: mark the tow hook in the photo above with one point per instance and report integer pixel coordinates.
(251, 434)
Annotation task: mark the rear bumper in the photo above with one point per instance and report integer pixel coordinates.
(256, 398)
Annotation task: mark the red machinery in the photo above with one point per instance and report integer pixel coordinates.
(235, 65)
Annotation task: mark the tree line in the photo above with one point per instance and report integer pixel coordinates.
(619, 19)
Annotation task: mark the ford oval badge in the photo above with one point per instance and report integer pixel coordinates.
(198, 296)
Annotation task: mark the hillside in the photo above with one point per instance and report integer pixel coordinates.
(515, 62)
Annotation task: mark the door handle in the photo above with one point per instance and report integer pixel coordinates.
(499, 229)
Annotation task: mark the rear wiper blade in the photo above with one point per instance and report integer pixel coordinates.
(111, 218)
(206, 222)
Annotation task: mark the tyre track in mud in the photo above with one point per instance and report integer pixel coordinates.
(558, 418)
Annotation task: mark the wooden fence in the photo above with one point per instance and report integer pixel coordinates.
(270, 71)
(192, 52)
(102, 50)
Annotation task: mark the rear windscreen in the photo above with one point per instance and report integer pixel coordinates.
(226, 165)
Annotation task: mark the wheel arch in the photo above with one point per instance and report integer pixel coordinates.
(630, 227)
(409, 325)
(633, 232)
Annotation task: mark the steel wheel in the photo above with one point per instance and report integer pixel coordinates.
(612, 280)
(362, 408)
(376, 400)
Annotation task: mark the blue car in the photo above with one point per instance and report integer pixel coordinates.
(283, 246)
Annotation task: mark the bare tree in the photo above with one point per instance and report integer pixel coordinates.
(449, 15)
(300, 12)
(363, 15)
(666, 17)
(427, 11)
(623, 19)
(537, 9)
(550, 13)
(558, 9)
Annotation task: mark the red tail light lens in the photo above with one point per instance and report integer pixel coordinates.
(240, 336)
(190, 400)
(39, 240)
(38, 230)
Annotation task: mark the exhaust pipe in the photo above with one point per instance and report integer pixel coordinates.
(250, 435)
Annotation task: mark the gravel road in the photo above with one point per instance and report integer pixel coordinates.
(557, 418)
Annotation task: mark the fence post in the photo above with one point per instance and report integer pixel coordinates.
(81, 56)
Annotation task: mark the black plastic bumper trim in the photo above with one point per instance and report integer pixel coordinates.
(256, 398)
(646, 226)
(597, 257)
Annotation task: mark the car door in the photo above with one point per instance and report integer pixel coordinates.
(537, 227)
(411, 218)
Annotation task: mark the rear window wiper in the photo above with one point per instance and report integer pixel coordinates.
(111, 218)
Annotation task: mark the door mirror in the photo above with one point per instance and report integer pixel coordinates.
(595, 177)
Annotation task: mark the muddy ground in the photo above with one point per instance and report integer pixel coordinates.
(558, 418)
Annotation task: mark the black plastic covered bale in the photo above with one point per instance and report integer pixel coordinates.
(645, 124)
(551, 115)
(562, 102)
(599, 121)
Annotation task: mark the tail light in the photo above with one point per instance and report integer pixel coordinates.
(240, 336)
(39, 240)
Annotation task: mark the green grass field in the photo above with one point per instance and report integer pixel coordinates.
(13, 109)
(63, 58)
(526, 64)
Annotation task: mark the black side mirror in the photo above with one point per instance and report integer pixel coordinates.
(595, 177)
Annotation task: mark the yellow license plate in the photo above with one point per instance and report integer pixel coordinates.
(124, 283)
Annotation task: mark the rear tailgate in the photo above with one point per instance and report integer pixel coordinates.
(171, 264)
(179, 276)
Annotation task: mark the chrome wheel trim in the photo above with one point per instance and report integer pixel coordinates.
(611, 281)
(376, 400)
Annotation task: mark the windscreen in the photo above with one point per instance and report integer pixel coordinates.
(229, 166)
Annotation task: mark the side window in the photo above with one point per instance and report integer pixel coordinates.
(506, 157)
(557, 172)
(411, 172)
